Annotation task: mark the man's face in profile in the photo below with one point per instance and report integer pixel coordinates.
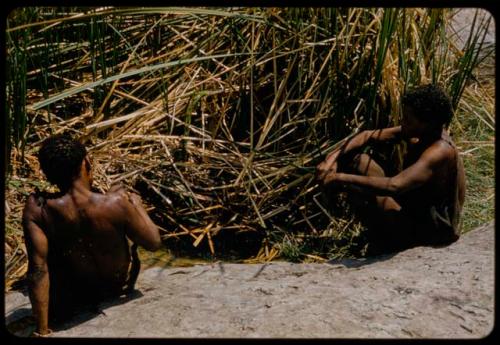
(411, 126)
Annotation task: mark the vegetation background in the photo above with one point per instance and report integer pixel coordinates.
(218, 116)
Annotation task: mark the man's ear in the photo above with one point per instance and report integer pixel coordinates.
(88, 166)
(88, 169)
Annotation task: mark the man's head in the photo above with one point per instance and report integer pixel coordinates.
(425, 108)
(61, 159)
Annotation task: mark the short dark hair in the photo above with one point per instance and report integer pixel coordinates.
(431, 103)
(60, 158)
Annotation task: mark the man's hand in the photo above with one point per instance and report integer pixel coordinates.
(330, 178)
(329, 165)
(135, 199)
(116, 188)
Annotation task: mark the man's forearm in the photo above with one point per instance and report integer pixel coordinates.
(137, 203)
(355, 142)
(369, 136)
(150, 235)
(329, 164)
(370, 184)
(39, 296)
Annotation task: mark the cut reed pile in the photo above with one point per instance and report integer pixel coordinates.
(218, 117)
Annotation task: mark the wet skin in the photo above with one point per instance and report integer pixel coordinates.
(78, 245)
(432, 174)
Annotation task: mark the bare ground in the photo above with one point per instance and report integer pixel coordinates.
(422, 292)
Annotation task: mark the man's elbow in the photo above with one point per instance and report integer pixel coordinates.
(394, 187)
(154, 244)
(36, 273)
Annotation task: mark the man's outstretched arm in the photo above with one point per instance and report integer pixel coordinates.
(38, 273)
(412, 177)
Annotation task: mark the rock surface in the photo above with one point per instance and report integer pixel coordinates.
(422, 292)
(462, 22)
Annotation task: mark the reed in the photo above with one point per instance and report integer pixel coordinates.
(219, 116)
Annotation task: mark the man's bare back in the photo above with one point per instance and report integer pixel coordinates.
(87, 231)
(78, 240)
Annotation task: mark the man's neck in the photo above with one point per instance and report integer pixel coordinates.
(431, 137)
(79, 186)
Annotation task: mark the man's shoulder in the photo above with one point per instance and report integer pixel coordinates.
(34, 204)
(440, 151)
(115, 197)
(116, 192)
(38, 199)
(445, 147)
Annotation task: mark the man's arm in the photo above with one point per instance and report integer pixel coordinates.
(412, 177)
(356, 142)
(38, 274)
(375, 135)
(138, 225)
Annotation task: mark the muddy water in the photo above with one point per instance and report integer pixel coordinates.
(163, 257)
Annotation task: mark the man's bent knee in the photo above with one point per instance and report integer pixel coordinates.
(364, 164)
(387, 204)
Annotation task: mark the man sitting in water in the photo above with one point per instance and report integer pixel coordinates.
(420, 205)
(78, 252)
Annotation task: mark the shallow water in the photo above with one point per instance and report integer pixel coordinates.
(163, 257)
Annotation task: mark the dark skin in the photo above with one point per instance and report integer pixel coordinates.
(89, 234)
(428, 177)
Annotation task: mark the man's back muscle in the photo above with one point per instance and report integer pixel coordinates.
(87, 239)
